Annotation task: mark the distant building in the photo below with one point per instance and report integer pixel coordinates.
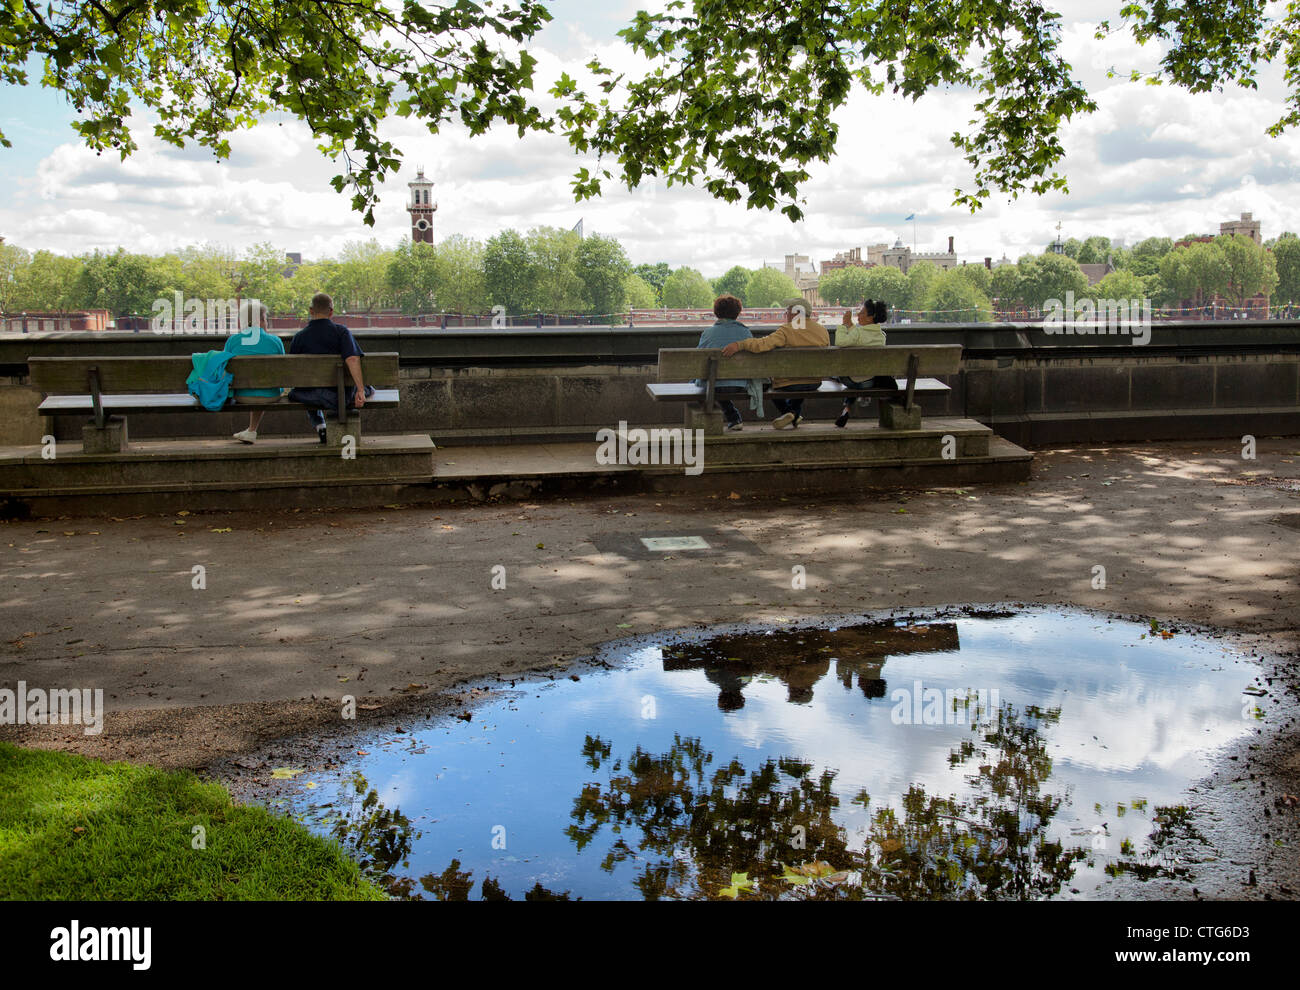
(1096, 272)
(1257, 307)
(1246, 225)
(803, 273)
(421, 209)
(903, 258)
(851, 258)
(74, 321)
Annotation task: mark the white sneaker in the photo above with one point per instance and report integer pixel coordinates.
(782, 421)
(246, 436)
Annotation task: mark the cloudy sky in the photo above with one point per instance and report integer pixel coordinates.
(1152, 160)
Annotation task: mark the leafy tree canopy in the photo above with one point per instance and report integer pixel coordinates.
(954, 298)
(638, 293)
(687, 289)
(208, 68)
(739, 95)
(734, 283)
(768, 287)
(846, 286)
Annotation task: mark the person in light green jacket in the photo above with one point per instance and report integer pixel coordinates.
(867, 333)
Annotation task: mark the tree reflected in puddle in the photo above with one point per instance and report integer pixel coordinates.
(695, 829)
(783, 765)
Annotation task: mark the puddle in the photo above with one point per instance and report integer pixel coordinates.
(1031, 755)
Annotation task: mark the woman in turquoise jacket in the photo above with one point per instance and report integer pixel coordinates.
(255, 338)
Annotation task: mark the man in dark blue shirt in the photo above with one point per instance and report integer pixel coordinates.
(322, 335)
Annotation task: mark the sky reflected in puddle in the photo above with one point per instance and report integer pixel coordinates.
(1011, 757)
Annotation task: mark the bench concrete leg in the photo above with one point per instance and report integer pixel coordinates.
(107, 439)
(697, 419)
(337, 430)
(895, 416)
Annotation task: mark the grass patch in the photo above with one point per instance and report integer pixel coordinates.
(78, 829)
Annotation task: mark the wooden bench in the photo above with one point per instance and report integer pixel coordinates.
(110, 388)
(680, 368)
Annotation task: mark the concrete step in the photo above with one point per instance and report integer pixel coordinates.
(165, 476)
(214, 465)
(859, 442)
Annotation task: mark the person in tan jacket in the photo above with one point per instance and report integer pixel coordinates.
(800, 329)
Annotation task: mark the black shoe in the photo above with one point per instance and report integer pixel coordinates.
(842, 420)
(321, 433)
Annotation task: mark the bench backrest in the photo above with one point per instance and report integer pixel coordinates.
(132, 375)
(679, 364)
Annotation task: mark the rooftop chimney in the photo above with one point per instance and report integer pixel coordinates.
(950, 244)
(988, 263)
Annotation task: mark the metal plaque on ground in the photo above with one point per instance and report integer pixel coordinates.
(658, 544)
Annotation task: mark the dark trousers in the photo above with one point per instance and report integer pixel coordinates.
(794, 405)
(323, 399)
(729, 411)
(879, 381)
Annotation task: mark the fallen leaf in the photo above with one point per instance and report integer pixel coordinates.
(284, 773)
(739, 882)
(224, 529)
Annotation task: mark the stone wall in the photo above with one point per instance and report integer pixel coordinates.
(1192, 381)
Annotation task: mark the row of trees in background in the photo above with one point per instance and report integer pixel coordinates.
(686, 288)
(1232, 267)
(556, 271)
(544, 270)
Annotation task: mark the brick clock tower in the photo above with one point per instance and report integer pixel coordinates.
(421, 209)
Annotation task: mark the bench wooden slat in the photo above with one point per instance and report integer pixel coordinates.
(54, 405)
(139, 375)
(678, 364)
(690, 392)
